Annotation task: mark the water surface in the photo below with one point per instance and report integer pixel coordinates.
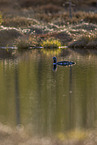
(44, 101)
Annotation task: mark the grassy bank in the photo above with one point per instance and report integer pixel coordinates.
(32, 26)
(81, 35)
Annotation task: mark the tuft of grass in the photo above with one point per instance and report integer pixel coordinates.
(22, 44)
(51, 43)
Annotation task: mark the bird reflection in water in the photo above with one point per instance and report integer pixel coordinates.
(66, 63)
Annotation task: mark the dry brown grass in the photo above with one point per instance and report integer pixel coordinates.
(86, 41)
(49, 8)
(31, 3)
(91, 18)
(35, 3)
(64, 19)
(17, 22)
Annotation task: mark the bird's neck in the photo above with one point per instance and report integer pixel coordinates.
(55, 60)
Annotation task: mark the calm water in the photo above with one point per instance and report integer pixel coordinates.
(47, 102)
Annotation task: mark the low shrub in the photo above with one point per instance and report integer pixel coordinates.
(22, 43)
(27, 42)
(51, 43)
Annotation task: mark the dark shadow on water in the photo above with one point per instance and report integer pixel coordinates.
(84, 51)
(70, 97)
(17, 98)
(7, 54)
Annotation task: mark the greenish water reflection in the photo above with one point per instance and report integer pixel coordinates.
(48, 102)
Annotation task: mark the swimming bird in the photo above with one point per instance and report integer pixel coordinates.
(62, 63)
